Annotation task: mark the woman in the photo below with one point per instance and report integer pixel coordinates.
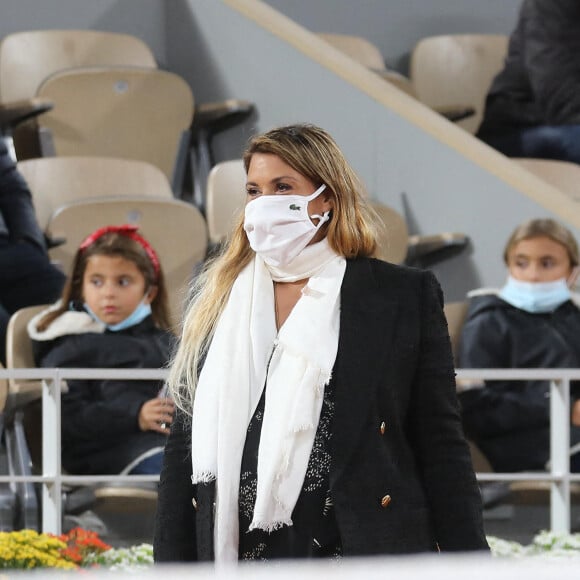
(320, 384)
(531, 322)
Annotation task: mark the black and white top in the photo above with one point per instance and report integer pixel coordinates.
(314, 533)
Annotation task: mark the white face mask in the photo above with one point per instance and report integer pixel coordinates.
(279, 227)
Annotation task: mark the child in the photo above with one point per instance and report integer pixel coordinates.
(113, 313)
(532, 322)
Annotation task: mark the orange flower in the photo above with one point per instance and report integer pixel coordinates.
(82, 543)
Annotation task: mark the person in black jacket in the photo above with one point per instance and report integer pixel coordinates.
(317, 413)
(533, 106)
(113, 313)
(533, 322)
(26, 275)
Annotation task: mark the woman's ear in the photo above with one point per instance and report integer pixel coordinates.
(151, 294)
(327, 201)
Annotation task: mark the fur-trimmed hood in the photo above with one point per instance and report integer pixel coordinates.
(70, 322)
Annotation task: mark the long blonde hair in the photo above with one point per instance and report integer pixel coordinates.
(351, 233)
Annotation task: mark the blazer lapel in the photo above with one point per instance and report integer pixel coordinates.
(367, 321)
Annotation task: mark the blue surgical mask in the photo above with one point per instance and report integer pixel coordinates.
(535, 297)
(140, 313)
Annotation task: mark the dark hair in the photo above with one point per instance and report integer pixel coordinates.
(113, 244)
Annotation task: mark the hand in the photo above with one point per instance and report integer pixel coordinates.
(156, 415)
(576, 413)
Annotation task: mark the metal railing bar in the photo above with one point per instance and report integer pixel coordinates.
(80, 479)
(52, 480)
(85, 373)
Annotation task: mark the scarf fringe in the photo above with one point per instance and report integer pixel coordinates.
(203, 477)
(270, 527)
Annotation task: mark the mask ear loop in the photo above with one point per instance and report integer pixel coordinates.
(322, 219)
(326, 215)
(316, 193)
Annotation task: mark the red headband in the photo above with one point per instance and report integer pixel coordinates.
(129, 231)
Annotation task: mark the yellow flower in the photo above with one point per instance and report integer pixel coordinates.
(27, 549)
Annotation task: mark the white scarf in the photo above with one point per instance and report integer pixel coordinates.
(230, 385)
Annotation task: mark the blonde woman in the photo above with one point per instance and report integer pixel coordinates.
(317, 414)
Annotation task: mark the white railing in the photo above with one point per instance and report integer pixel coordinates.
(559, 474)
(52, 478)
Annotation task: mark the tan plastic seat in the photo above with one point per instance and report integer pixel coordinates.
(129, 113)
(457, 69)
(28, 57)
(393, 235)
(455, 313)
(56, 181)
(564, 175)
(226, 197)
(176, 230)
(19, 356)
(369, 55)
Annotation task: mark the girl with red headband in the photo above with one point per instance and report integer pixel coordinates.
(113, 313)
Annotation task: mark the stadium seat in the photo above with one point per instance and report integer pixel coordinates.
(28, 57)
(369, 55)
(56, 181)
(393, 243)
(226, 197)
(457, 69)
(129, 113)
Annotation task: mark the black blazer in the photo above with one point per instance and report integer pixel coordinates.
(401, 474)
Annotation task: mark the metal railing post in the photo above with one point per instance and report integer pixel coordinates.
(51, 456)
(559, 454)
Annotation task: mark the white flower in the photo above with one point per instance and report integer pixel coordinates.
(544, 545)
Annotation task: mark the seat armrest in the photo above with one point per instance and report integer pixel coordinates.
(53, 242)
(16, 112)
(435, 248)
(455, 113)
(220, 115)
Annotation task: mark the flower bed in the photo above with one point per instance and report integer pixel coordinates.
(27, 549)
